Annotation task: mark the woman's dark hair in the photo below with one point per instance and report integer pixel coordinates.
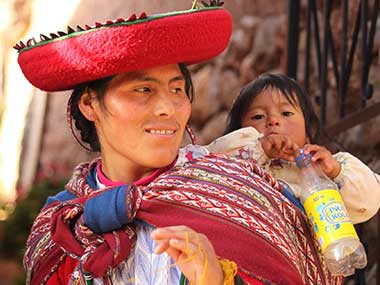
(288, 87)
(87, 128)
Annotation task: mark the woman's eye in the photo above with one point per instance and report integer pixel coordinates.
(257, 117)
(177, 90)
(287, 113)
(143, 89)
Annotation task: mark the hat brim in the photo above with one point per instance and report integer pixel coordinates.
(184, 37)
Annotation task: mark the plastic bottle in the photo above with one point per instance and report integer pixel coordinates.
(341, 248)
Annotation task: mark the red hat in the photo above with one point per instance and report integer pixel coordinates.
(64, 60)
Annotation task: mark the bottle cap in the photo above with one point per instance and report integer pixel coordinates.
(303, 159)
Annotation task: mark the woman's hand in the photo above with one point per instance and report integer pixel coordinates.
(193, 253)
(329, 165)
(279, 146)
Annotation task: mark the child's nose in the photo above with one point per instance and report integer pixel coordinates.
(273, 121)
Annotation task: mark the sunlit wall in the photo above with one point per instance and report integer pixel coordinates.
(47, 16)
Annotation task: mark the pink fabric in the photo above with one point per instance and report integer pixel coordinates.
(143, 181)
(104, 179)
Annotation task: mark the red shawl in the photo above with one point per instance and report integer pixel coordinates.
(237, 205)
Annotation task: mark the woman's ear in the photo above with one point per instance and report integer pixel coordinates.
(86, 105)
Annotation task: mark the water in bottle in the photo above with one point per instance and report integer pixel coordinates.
(340, 245)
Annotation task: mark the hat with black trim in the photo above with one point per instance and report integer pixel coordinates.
(64, 60)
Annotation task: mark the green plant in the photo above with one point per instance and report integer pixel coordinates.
(16, 229)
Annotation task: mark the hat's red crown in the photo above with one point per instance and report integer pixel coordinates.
(64, 60)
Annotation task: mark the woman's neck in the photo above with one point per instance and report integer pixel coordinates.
(124, 172)
(103, 179)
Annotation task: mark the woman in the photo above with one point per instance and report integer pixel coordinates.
(131, 102)
(134, 113)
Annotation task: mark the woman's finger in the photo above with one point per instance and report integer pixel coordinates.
(161, 246)
(174, 253)
(178, 232)
(187, 247)
(192, 252)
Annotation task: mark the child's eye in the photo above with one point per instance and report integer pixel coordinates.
(143, 89)
(287, 113)
(257, 117)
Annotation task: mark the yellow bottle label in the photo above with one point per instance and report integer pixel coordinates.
(329, 217)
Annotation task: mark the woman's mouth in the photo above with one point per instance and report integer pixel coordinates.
(165, 132)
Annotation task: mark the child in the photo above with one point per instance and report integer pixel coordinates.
(283, 121)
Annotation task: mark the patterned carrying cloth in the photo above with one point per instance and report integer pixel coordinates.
(235, 203)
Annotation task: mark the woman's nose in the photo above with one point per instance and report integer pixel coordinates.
(164, 106)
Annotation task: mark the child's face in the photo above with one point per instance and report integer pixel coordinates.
(271, 113)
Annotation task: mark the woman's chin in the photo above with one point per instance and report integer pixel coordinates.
(161, 160)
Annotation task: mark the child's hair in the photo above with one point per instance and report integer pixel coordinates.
(87, 128)
(288, 87)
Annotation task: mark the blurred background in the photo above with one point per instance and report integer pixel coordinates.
(330, 46)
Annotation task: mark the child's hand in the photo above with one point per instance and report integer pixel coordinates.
(192, 251)
(330, 166)
(279, 146)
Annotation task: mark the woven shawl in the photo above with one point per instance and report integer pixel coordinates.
(237, 205)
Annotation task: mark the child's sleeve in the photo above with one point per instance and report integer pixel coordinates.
(243, 143)
(359, 187)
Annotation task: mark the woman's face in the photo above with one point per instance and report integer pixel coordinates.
(271, 113)
(141, 124)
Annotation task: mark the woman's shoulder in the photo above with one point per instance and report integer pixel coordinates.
(62, 196)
